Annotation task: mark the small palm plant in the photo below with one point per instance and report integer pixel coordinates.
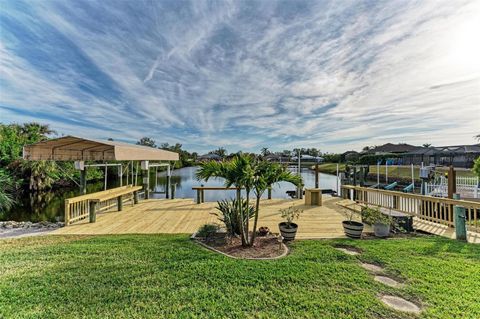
(237, 172)
(246, 172)
(266, 175)
(228, 214)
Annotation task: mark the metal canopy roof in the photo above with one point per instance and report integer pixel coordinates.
(71, 148)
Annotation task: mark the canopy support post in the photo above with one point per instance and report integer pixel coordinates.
(146, 179)
(80, 165)
(105, 178)
(167, 187)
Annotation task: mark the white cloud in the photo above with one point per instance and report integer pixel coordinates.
(336, 76)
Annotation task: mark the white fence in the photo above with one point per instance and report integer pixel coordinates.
(467, 187)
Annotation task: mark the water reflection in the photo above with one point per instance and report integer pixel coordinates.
(49, 206)
(185, 180)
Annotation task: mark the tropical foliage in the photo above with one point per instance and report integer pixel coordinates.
(229, 214)
(34, 176)
(207, 230)
(246, 172)
(476, 167)
(6, 191)
(373, 215)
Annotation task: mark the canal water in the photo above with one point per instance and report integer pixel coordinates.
(49, 206)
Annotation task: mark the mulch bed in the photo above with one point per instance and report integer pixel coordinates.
(264, 247)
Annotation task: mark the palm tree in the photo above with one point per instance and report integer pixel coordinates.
(266, 175)
(243, 171)
(35, 132)
(147, 141)
(6, 192)
(237, 172)
(264, 151)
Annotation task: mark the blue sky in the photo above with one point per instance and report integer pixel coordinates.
(336, 75)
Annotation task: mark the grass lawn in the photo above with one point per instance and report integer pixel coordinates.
(406, 172)
(168, 276)
(330, 168)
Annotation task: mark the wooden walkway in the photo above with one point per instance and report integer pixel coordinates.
(184, 216)
(423, 225)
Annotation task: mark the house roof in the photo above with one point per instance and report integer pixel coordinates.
(455, 149)
(394, 148)
(72, 148)
(211, 156)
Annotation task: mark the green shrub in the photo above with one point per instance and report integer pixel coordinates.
(229, 214)
(207, 230)
(476, 167)
(8, 190)
(290, 213)
(371, 216)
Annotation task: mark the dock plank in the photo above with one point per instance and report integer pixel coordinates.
(184, 216)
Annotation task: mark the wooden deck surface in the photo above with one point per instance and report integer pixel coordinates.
(184, 216)
(423, 225)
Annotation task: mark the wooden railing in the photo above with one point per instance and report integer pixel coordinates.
(78, 208)
(201, 191)
(429, 208)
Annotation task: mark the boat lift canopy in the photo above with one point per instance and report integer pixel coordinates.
(71, 148)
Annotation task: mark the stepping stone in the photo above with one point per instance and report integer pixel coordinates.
(388, 281)
(348, 251)
(371, 267)
(400, 304)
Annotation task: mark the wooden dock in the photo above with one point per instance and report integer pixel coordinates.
(180, 216)
(419, 224)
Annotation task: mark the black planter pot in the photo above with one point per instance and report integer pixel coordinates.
(353, 229)
(288, 233)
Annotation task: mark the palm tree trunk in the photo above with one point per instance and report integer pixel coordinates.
(257, 210)
(240, 216)
(247, 217)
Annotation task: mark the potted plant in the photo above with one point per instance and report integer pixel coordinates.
(381, 222)
(352, 228)
(263, 231)
(288, 229)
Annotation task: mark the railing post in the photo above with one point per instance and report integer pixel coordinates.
(460, 221)
(67, 212)
(83, 181)
(395, 201)
(93, 211)
(135, 197)
(119, 203)
(203, 196)
(199, 200)
(174, 187)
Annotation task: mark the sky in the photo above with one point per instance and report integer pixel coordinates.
(335, 75)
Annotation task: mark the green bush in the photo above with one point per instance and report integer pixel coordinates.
(229, 214)
(476, 167)
(371, 216)
(207, 230)
(6, 192)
